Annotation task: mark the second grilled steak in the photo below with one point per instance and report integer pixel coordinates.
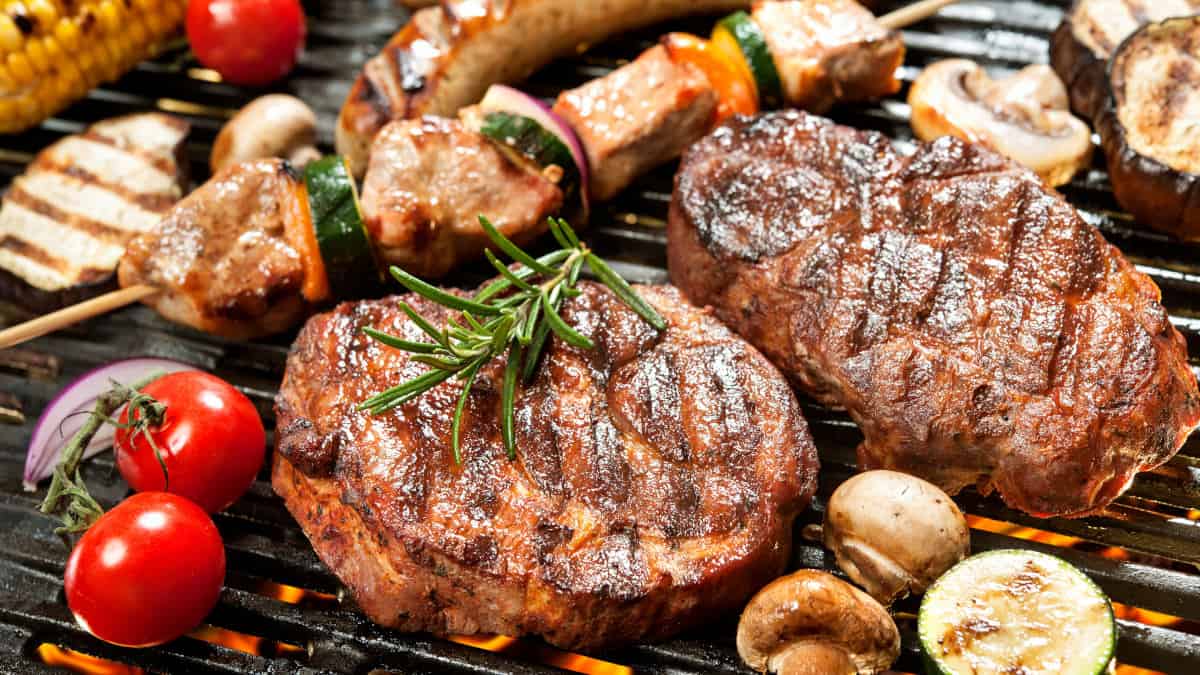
(973, 325)
(655, 486)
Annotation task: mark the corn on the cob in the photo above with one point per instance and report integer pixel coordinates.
(52, 52)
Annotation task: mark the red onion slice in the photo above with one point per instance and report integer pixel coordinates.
(68, 411)
(501, 98)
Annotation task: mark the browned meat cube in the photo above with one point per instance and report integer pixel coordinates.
(829, 51)
(427, 183)
(637, 117)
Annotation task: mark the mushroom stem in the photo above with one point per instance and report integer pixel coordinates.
(812, 658)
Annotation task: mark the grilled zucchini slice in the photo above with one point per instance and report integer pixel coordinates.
(740, 29)
(1016, 611)
(346, 250)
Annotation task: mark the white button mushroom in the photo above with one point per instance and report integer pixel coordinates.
(275, 125)
(1023, 116)
(894, 534)
(812, 623)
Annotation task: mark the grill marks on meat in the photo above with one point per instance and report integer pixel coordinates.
(975, 328)
(656, 481)
(226, 258)
(430, 179)
(66, 220)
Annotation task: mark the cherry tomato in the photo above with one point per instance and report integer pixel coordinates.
(249, 42)
(211, 440)
(147, 572)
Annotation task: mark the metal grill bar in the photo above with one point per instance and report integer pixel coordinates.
(264, 543)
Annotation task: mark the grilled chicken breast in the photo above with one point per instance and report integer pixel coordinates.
(226, 259)
(65, 222)
(655, 486)
(428, 182)
(973, 325)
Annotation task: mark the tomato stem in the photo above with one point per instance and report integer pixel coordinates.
(67, 498)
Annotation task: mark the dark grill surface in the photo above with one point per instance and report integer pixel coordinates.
(1143, 550)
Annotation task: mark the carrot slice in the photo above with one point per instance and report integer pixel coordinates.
(298, 219)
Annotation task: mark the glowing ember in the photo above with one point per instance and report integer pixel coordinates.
(532, 651)
(294, 595)
(243, 642)
(78, 662)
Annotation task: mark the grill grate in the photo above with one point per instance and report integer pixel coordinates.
(1153, 526)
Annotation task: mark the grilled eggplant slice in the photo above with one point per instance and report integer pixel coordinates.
(1088, 36)
(65, 221)
(1148, 126)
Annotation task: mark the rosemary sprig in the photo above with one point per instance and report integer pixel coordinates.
(515, 315)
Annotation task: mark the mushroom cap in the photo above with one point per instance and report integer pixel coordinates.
(815, 608)
(275, 125)
(894, 534)
(1023, 116)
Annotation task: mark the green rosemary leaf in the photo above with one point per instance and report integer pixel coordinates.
(561, 329)
(503, 333)
(512, 250)
(573, 273)
(475, 325)
(558, 234)
(400, 343)
(507, 273)
(568, 232)
(468, 381)
(439, 296)
(624, 291)
(507, 394)
(439, 362)
(534, 352)
(419, 384)
(526, 334)
(501, 285)
(423, 324)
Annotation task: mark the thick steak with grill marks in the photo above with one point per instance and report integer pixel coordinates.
(971, 323)
(656, 483)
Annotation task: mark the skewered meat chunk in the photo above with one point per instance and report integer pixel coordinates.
(637, 117)
(427, 184)
(655, 486)
(829, 51)
(973, 325)
(65, 221)
(226, 258)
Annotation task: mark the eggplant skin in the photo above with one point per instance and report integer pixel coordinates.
(1079, 67)
(1155, 194)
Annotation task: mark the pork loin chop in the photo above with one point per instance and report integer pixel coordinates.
(656, 482)
(971, 323)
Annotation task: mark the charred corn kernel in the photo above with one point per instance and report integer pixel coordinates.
(53, 51)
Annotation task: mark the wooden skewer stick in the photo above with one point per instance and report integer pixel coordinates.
(108, 302)
(73, 314)
(910, 14)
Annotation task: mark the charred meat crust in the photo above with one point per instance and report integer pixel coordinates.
(1156, 194)
(657, 480)
(445, 57)
(977, 330)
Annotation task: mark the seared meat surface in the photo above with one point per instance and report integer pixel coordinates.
(226, 257)
(971, 323)
(637, 117)
(429, 180)
(656, 482)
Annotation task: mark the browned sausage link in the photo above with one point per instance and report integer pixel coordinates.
(446, 57)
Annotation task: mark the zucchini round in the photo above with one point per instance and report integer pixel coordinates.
(750, 41)
(1009, 611)
(346, 250)
(540, 145)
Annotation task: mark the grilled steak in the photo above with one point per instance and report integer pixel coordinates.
(656, 481)
(971, 323)
(427, 182)
(65, 221)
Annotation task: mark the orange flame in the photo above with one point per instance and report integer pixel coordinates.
(243, 642)
(527, 649)
(78, 662)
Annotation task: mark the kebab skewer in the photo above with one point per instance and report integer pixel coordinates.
(303, 239)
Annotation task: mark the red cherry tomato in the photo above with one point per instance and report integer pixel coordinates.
(249, 42)
(147, 572)
(211, 439)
